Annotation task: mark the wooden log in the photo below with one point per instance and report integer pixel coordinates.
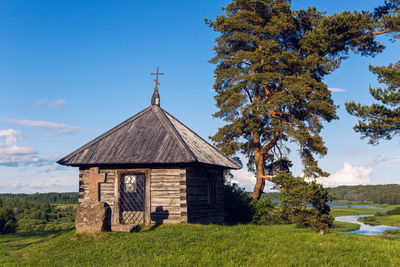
(165, 171)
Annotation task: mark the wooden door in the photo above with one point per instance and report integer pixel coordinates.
(132, 198)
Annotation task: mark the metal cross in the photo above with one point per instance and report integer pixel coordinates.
(156, 80)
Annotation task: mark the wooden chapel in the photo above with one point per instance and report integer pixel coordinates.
(152, 169)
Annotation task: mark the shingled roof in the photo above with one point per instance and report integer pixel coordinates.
(152, 136)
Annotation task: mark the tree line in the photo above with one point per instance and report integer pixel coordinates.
(37, 212)
(380, 194)
(54, 198)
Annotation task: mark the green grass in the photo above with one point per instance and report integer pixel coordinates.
(391, 234)
(340, 227)
(345, 211)
(198, 245)
(391, 220)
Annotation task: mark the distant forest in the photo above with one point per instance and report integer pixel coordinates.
(50, 198)
(379, 194)
(40, 211)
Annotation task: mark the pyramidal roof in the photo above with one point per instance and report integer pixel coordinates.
(152, 136)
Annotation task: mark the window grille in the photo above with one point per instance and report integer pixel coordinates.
(132, 197)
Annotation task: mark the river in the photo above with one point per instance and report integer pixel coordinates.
(365, 229)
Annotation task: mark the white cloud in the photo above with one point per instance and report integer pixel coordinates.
(62, 129)
(52, 183)
(18, 160)
(11, 154)
(12, 136)
(57, 103)
(53, 168)
(384, 160)
(40, 124)
(16, 150)
(39, 103)
(337, 90)
(349, 175)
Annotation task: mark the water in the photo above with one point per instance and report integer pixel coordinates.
(361, 207)
(334, 203)
(341, 205)
(368, 207)
(365, 229)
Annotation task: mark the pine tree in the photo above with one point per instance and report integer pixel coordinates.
(270, 63)
(382, 121)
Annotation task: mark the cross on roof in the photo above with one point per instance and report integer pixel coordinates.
(156, 80)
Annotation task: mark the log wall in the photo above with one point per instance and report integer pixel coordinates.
(168, 196)
(176, 195)
(167, 193)
(199, 208)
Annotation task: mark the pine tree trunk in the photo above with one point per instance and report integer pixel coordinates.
(260, 183)
(258, 188)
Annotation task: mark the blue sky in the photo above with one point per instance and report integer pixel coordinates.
(70, 70)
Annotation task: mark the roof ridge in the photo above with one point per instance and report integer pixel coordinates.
(213, 147)
(172, 130)
(100, 137)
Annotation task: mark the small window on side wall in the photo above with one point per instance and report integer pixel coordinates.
(212, 192)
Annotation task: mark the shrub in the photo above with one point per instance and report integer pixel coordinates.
(237, 204)
(266, 212)
(391, 234)
(304, 203)
(8, 223)
(395, 211)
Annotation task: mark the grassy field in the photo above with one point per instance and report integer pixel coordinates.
(345, 211)
(207, 245)
(340, 227)
(391, 220)
(199, 245)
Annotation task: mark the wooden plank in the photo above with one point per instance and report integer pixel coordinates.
(167, 174)
(165, 185)
(166, 210)
(160, 193)
(165, 201)
(147, 219)
(166, 188)
(165, 179)
(165, 171)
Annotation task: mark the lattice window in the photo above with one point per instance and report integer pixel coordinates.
(132, 197)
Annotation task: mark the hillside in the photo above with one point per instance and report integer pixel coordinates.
(380, 194)
(41, 211)
(199, 245)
